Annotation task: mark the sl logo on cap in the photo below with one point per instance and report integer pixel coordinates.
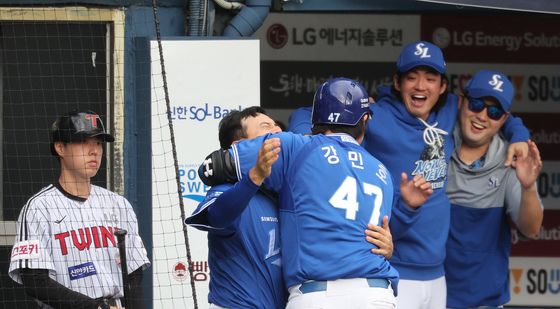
(496, 82)
(422, 51)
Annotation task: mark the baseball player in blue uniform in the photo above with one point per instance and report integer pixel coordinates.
(242, 224)
(65, 253)
(482, 190)
(330, 189)
(411, 135)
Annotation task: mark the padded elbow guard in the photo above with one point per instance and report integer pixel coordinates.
(218, 168)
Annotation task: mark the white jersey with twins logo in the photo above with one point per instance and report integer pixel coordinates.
(73, 238)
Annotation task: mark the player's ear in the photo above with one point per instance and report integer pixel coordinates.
(504, 118)
(443, 85)
(366, 118)
(396, 82)
(59, 148)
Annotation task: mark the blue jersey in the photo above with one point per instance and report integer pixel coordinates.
(244, 257)
(407, 144)
(330, 189)
(299, 121)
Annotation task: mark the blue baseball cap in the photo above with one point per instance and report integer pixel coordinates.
(493, 84)
(421, 53)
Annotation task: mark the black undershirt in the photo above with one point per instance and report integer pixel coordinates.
(39, 285)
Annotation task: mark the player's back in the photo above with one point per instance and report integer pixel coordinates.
(332, 190)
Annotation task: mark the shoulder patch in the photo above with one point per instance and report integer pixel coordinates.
(27, 249)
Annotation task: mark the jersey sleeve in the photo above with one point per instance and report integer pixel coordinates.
(136, 254)
(300, 121)
(515, 131)
(32, 244)
(222, 206)
(245, 154)
(403, 217)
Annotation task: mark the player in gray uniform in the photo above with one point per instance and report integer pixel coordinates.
(65, 253)
(484, 193)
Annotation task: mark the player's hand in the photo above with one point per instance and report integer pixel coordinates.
(415, 192)
(268, 154)
(516, 151)
(381, 237)
(529, 167)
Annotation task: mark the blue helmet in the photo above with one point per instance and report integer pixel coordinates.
(341, 101)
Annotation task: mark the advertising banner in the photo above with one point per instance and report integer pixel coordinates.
(204, 85)
(300, 51)
(540, 6)
(336, 37)
(495, 38)
(547, 243)
(534, 281)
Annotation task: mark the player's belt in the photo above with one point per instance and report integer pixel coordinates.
(321, 286)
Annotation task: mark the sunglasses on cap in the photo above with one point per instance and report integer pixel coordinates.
(494, 112)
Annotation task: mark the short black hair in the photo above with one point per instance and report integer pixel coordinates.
(444, 79)
(355, 131)
(230, 128)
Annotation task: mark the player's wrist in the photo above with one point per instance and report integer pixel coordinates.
(530, 188)
(256, 177)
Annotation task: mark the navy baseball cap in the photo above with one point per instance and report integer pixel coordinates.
(421, 53)
(493, 84)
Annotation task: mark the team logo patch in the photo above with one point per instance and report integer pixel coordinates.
(180, 272)
(432, 165)
(82, 271)
(28, 249)
(493, 182)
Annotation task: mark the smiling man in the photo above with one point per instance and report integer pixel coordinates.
(484, 193)
(242, 224)
(411, 134)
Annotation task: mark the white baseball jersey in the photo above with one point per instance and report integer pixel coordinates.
(73, 238)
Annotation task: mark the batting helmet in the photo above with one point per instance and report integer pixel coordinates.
(340, 101)
(77, 126)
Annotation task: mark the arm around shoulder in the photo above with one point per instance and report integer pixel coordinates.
(515, 131)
